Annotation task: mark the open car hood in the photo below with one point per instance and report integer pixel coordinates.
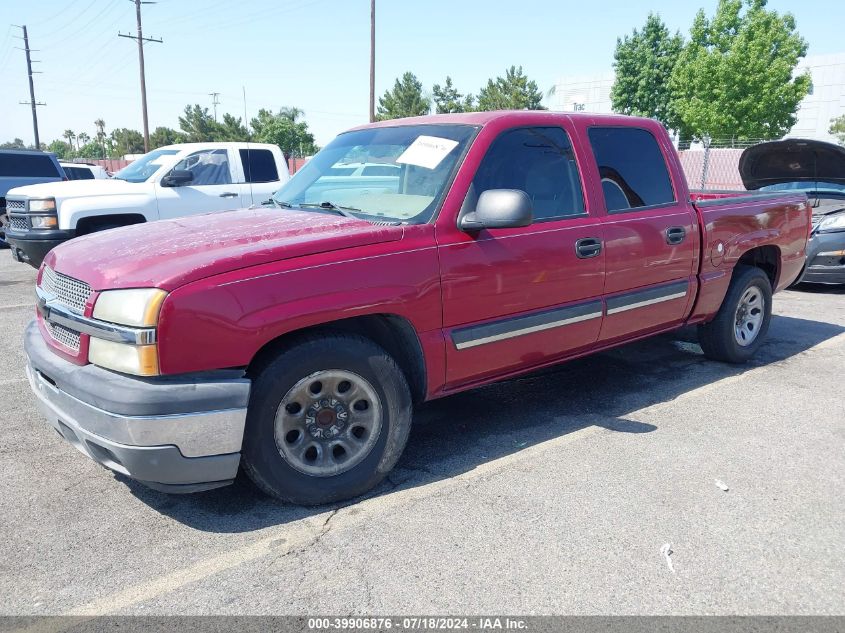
(791, 160)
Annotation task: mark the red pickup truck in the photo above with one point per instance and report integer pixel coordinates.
(408, 260)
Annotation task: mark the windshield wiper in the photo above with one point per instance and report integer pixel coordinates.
(279, 203)
(331, 206)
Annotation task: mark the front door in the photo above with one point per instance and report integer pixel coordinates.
(520, 297)
(212, 187)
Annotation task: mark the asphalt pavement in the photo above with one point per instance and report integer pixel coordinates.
(646, 480)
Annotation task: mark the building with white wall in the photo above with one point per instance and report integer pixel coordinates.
(826, 100)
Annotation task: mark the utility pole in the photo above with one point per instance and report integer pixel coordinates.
(215, 102)
(141, 39)
(372, 60)
(32, 102)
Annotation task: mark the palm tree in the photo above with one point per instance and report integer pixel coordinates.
(101, 134)
(83, 138)
(69, 135)
(293, 113)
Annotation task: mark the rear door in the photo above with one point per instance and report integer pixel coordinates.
(519, 297)
(261, 177)
(651, 237)
(213, 188)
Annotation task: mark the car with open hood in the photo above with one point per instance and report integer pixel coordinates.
(817, 169)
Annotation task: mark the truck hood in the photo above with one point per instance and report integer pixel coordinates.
(170, 253)
(65, 190)
(791, 160)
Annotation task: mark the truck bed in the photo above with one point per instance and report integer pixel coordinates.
(775, 225)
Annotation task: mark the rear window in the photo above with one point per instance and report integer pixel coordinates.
(632, 168)
(78, 173)
(28, 166)
(381, 170)
(259, 165)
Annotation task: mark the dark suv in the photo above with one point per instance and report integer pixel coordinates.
(19, 167)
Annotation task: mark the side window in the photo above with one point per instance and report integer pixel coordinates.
(209, 167)
(78, 173)
(259, 165)
(538, 161)
(632, 168)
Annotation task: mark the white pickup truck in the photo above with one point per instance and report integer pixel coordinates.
(169, 182)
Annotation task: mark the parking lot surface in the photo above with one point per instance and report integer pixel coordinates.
(646, 480)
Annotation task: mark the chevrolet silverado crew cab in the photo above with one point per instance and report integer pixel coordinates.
(169, 182)
(293, 340)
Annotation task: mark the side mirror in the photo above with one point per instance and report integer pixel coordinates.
(499, 209)
(177, 178)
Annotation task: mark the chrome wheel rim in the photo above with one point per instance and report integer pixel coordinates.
(328, 422)
(749, 316)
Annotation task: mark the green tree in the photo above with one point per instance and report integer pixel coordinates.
(162, 136)
(643, 63)
(70, 136)
(101, 135)
(197, 125)
(16, 143)
(126, 141)
(448, 100)
(403, 100)
(62, 150)
(91, 149)
(735, 78)
(231, 129)
(291, 112)
(514, 91)
(82, 138)
(837, 128)
(294, 139)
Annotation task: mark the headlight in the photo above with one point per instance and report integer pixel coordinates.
(139, 360)
(44, 221)
(137, 307)
(44, 204)
(833, 223)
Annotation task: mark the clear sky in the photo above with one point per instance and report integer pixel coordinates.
(313, 54)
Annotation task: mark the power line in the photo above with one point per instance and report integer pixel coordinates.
(141, 39)
(32, 102)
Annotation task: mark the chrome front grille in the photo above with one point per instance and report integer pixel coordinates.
(15, 205)
(67, 290)
(65, 336)
(18, 222)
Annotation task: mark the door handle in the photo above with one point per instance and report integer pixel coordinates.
(587, 247)
(675, 234)
(228, 194)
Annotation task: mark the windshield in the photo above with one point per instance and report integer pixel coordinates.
(145, 166)
(392, 174)
(812, 185)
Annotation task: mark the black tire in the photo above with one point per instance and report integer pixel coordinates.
(718, 338)
(263, 460)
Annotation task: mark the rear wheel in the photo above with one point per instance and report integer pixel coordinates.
(328, 419)
(743, 320)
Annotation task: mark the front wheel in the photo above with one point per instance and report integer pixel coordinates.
(328, 419)
(741, 324)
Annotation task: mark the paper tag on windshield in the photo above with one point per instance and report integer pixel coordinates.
(427, 151)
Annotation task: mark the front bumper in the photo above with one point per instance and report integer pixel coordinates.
(821, 268)
(31, 248)
(176, 434)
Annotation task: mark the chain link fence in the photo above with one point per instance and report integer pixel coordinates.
(714, 164)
